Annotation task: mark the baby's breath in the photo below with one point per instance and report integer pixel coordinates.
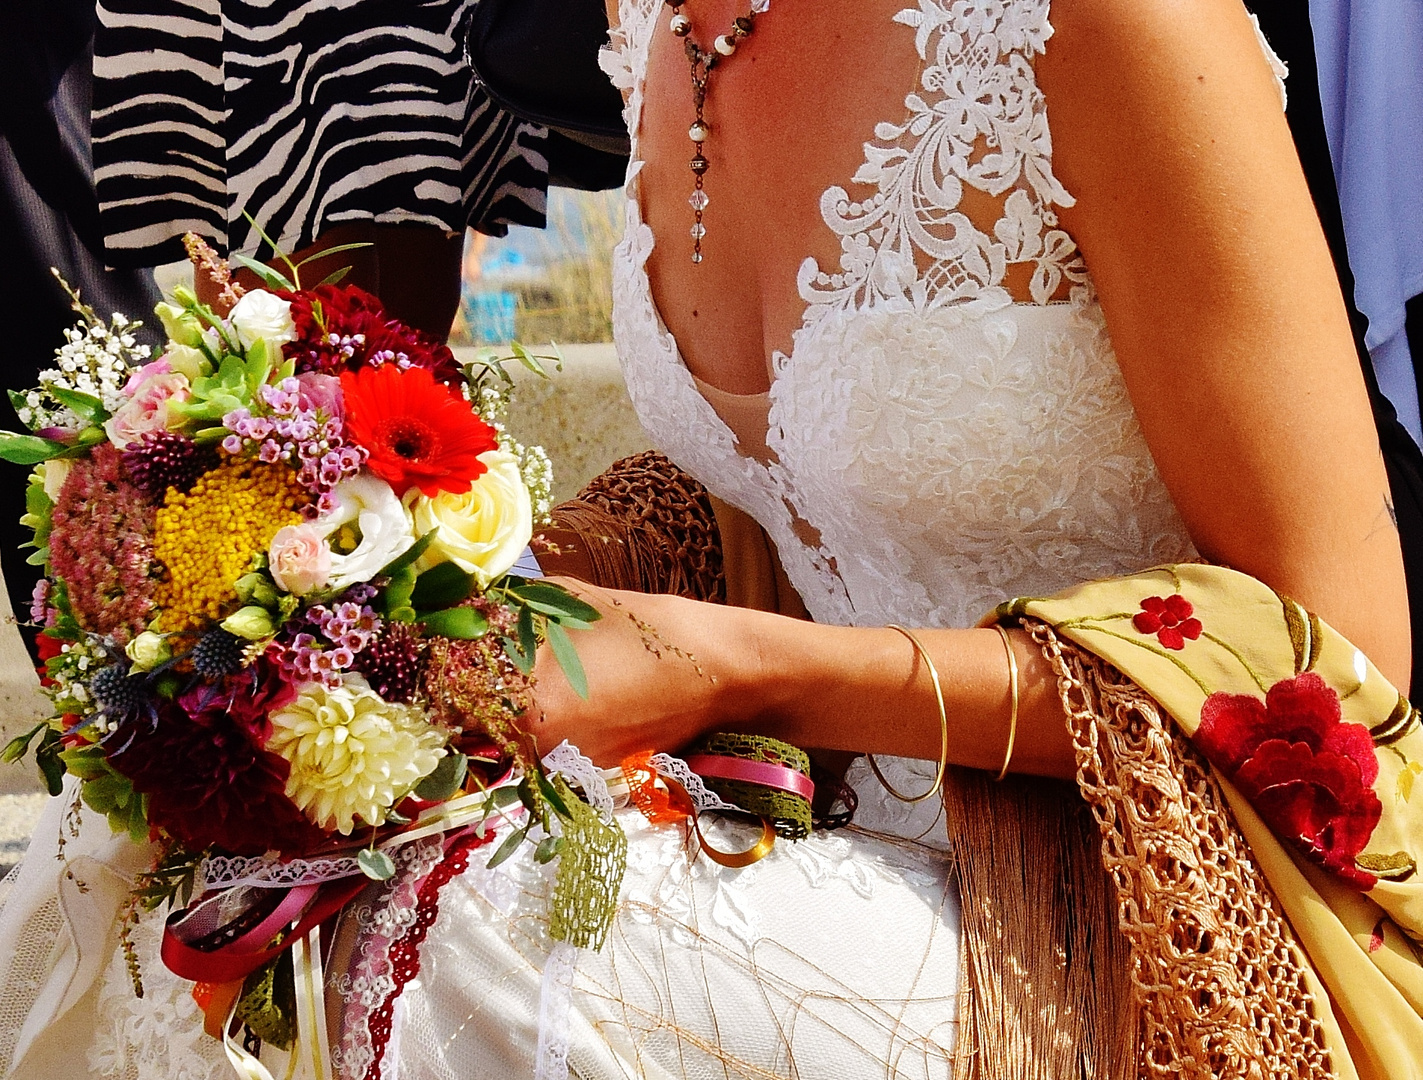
(537, 471)
(95, 359)
(71, 670)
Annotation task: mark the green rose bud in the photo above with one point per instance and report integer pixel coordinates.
(148, 650)
(181, 325)
(252, 622)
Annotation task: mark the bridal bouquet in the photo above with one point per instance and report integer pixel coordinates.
(278, 618)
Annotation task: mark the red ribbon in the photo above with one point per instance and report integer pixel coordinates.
(239, 958)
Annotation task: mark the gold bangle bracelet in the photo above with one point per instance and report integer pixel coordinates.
(1013, 712)
(943, 728)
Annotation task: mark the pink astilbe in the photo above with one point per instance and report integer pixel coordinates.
(101, 546)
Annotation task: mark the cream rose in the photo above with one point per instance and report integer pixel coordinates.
(482, 531)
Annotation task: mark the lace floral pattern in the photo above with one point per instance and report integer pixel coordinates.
(159, 1034)
(979, 119)
(373, 980)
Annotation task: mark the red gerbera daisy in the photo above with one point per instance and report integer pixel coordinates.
(420, 433)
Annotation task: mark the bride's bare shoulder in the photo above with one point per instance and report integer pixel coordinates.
(1222, 301)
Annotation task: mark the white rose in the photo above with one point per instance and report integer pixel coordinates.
(369, 516)
(482, 531)
(261, 316)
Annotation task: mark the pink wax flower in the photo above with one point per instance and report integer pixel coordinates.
(299, 560)
(147, 407)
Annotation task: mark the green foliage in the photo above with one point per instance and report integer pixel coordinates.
(170, 882)
(376, 865)
(107, 791)
(447, 779)
(28, 449)
(442, 586)
(38, 508)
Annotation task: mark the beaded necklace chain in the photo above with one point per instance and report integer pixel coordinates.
(703, 61)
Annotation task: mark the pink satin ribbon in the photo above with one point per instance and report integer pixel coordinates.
(720, 767)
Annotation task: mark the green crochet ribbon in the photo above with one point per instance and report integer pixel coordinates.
(268, 1002)
(788, 813)
(590, 873)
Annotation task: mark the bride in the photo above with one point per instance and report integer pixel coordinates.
(864, 297)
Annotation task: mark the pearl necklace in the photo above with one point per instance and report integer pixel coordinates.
(703, 61)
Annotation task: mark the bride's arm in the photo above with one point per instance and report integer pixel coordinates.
(1223, 305)
(1228, 324)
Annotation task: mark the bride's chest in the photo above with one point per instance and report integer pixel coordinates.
(978, 451)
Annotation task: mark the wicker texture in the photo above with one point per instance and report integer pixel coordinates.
(1216, 969)
(648, 526)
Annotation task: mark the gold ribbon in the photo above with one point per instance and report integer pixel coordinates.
(733, 860)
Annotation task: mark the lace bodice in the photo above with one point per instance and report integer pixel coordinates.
(948, 445)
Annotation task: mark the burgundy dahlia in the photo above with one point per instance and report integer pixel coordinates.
(344, 328)
(208, 781)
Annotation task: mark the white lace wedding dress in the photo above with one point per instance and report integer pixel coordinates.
(949, 444)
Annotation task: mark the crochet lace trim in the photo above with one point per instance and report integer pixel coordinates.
(1217, 972)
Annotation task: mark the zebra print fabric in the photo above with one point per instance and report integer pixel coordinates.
(302, 113)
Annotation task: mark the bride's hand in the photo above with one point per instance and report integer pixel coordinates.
(662, 670)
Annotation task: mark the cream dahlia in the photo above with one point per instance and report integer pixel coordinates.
(353, 755)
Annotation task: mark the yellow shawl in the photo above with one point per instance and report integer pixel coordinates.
(1320, 760)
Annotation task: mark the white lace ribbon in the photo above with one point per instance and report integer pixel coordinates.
(555, 1007)
(270, 872)
(579, 770)
(676, 769)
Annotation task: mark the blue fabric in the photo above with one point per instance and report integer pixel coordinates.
(1370, 55)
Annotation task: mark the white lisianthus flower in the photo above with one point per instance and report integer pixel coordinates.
(263, 316)
(148, 650)
(484, 530)
(353, 755)
(187, 361)
(368, 528)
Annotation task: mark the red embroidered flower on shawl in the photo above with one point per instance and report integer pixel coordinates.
(1305, 772)
(1169, 618)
